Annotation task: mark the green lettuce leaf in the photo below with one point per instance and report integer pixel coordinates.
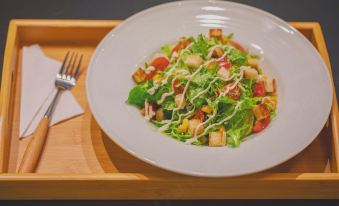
(240, 126)
(163, 89)
(248, 103)
(230, 36)
(138, 95)
(247, 85)
(182, 137)
(192, 92)
(237, 57)
(273, 114)
(167, 49)
(200, 46)
(202, 78)
(169, 103)
(234, 70)
(225, 103)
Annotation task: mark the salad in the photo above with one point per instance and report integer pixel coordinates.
(205, 90)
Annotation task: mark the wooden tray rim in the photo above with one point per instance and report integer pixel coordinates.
(4, 105)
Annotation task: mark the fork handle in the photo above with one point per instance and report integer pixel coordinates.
(34, 148)
(36, 144)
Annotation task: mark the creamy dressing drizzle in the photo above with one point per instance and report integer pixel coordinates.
(164, 95)
(149, 113)
(210, 84)
(148, 69)
(189, 77)
(205, 122)
(164, 127)
(210, 52)
(209, 55)
(233, 85)
(182, 71)
(167, 94)
(168, 73)
(188, 114)
(174, 55)
(205, 90)
(195, 138)
(152, 90)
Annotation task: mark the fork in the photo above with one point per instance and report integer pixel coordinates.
(65, 80)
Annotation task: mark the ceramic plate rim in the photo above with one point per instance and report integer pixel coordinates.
(177, 3)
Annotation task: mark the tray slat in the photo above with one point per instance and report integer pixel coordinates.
(79, 154)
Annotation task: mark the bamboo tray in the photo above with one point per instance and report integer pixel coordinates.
(81, 162)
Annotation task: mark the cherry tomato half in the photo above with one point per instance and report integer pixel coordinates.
(160, 63)
(224, 62)
(154, 106)
(177, 89)
(182, 44)
(259, 89)
(199, 115)
(233, 93)
(150, 75)
(259, 125)
(237, 45)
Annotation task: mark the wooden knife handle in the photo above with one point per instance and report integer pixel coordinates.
(33, 151)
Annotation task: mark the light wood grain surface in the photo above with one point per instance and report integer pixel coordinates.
(78, 154)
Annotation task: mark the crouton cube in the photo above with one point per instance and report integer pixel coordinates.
(139, 76)
(253, 62)
(217, 52)
(215, 33)
(261, 111)
(194, 61)
(250, 73)
(184, 41)
(159, 115)
(269, 85)
(217, 139)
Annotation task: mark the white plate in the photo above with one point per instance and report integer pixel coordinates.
(304, 87)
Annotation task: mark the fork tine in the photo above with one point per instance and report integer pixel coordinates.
(78, 67)
(68, 64)
(73, 65)
(64, 62)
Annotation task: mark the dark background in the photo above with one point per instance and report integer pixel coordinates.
(324, 11)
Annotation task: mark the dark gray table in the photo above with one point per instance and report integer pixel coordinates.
(324, 11)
